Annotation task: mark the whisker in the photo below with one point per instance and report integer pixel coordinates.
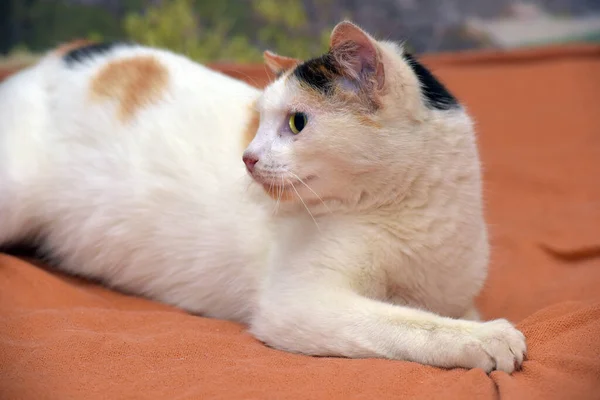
(280, 194)
(276, 207)
(305, 206)
(313, 192)
(271, 191)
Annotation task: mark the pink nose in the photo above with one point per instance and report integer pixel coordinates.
(250, 160)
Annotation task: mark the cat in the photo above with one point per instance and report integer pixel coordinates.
(337, 212)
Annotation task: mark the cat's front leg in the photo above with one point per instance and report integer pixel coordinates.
(335, 321)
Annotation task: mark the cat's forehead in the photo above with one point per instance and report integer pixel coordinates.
(281, 94)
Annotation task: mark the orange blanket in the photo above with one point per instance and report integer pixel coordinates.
(538, 116)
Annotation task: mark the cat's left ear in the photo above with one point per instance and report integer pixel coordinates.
(357, 53)
(279, 64)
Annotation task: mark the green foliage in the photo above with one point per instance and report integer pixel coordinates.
(205, 30)
(289, 13)
(286, 29)
(175, 25)
(41, 24)
(227, 30)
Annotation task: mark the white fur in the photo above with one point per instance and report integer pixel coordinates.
(163, 207)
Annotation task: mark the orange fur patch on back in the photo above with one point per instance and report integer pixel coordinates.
(252, 126)
(133, 82)
(70, 46)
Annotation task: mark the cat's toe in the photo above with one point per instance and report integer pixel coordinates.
(503, 343)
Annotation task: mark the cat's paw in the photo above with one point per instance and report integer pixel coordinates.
(496, 345)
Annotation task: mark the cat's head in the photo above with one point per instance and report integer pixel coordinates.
(351, 126)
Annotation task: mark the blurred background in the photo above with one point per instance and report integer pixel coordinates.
(237, 31)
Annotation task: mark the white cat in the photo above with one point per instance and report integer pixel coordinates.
(357, 232)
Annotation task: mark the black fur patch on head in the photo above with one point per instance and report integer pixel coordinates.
(318, 73)
(80, 54)
(436, 94)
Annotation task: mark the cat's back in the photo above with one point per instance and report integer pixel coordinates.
(104, 87)
(122, 87)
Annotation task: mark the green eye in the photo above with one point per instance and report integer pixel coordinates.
(298, 122)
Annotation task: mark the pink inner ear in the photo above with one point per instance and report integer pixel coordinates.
(277, 63)
(356, 52)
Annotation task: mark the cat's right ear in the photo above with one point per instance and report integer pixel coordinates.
(279, 64)
(357, 53)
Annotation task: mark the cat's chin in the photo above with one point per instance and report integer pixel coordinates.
(284, 189)
(283, 183)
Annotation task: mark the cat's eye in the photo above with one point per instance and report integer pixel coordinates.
(297, 122)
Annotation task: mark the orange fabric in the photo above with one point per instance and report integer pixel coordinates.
(538, 120)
